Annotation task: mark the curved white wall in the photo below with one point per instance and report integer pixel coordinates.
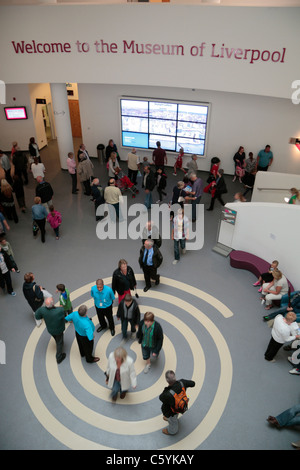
(270, 231)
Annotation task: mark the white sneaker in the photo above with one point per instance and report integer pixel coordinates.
(175, 174)
(147, 368)
(175, 261)
(294, 371)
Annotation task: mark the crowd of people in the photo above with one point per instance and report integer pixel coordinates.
(120, 371)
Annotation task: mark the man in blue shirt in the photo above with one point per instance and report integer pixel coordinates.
(103, 298)
(84, 331)
(264, 159)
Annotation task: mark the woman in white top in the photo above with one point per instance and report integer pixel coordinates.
(275, 289)
(284, 329)
(120, 373)
(38, 169)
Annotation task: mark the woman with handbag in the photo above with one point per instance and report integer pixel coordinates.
(216, 189)
(239, 161)
(33, 294)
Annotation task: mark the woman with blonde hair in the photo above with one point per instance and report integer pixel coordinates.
(113, 166)
(120, 373)
(7, 201)
(275, 289)
(39, 215)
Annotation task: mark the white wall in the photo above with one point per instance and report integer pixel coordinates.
(270, 231)
(274, 187)
(236, 119)
(184, 26)
(20, 131)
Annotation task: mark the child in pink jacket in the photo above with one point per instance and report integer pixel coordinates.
(54, 219)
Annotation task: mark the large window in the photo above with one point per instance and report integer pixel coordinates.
(175, 125)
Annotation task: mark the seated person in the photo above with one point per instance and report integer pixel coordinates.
(275, 289)
(292, 306)
(267, 277)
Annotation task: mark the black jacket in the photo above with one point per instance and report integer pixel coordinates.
(221, 187)
(158, 336)
(20, 161)
(97, 193)
(136, 315)
(162, 182)
(33, 295)
(44, 191)
(167, 398)
(120, 283)
(150, 181)
(157, 257)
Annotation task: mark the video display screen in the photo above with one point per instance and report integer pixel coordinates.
(175, 125)
(15, 113)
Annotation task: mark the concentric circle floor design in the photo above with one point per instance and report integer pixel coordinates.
(73, 404)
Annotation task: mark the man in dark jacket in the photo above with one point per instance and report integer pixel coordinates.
(20, 162)
(168, 400)
(150, 336)
(98, 196)
(149, 185)
(44, 191)
(55, 323)
(128, 312)
(149, 260)
(161, 183)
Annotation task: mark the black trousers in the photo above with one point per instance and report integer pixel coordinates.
(132, 175)
(216, 196)
(74, 182)
(150, 273)
(85, 347)
(6, 279)
(105, 314)
(59, 340)
(262, 168)
(272, 349)
(41, 224)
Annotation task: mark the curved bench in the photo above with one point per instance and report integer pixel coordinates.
(254, 264)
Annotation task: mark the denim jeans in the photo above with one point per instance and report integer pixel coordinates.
(180, 242)
(116, 388)
(125, 322)
(148, 200)
(289, 417)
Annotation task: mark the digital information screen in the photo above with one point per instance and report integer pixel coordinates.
(175, 125)
(15, 113)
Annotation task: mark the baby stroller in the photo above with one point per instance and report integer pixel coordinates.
(124, 183)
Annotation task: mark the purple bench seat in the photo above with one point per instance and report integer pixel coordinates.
(244, 260)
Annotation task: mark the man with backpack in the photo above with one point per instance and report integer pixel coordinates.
(174, 401)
